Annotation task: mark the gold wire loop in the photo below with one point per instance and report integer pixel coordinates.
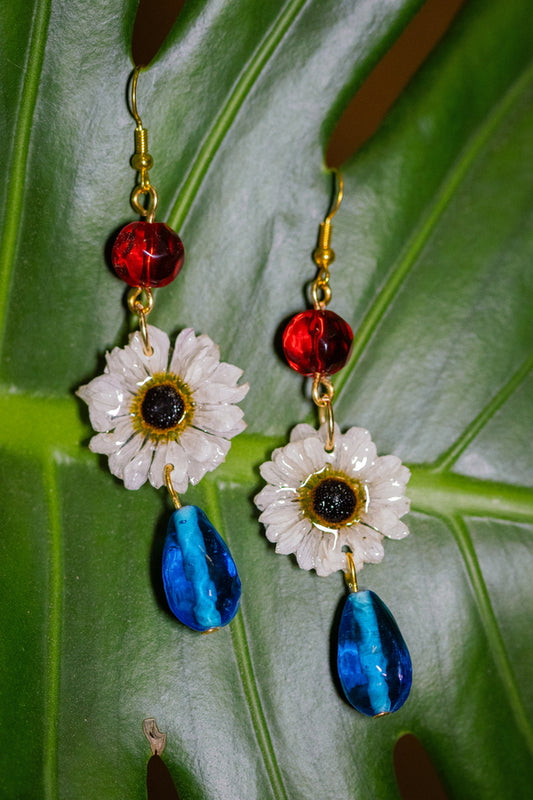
(157, 738)
(320, 290)
(322, 391)
(168, 483)
(324, 255)
(350, 575)
(138, 192)
(322, 394)
(142, 310)
(135, 305)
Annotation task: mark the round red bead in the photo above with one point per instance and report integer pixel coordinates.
(147, 254)
(317, 341)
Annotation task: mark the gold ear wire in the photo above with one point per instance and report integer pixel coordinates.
(142, 161)
(323, 255)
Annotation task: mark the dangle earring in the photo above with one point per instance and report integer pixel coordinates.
(330, 500)
(168, 417)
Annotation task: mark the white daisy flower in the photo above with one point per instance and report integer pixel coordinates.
(165, 409)
(319, 504)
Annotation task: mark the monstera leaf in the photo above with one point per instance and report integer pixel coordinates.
(433, 244)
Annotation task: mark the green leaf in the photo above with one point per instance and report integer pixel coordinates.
(433, 244)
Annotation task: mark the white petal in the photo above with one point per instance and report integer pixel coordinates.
(277, 531)
(156, 475)
(284, 511)
(289, 541)
(108, 443)
(330, 556)
(136, 470)
(122, 456)
(358, 452)
(367, 542)
(224, 420)
(211, 392)
(315, 453)
(386, 522)
(160, 343)
(227, 373)
(176, 456)
(398, 504)
(197, 470)
(293, 463)
(194, 358)
(276, 476)
(271, 494)
(307, 551)
(388, 468)
(204, 447)
(303, 431)
(107, 398)
(123, 363)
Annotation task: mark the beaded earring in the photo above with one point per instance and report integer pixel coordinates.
(330, 500)
(168, 417)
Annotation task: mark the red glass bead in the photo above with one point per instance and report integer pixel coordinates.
(147, 254)
(317, 342)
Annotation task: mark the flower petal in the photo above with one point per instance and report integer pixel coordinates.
(160, 344)
(385, 521)
(204, 447)
(107, 398)
(330, 556)
(224, 420)
(291, 539)
(307, 551)
(135, 471)
(271, 494)
(357, 452)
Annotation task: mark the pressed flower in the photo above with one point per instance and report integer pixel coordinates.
(167, 408)
(318, 504)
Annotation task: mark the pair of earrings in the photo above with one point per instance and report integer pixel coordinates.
(168, 417)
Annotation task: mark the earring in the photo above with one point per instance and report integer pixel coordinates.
(330, 500)
(159, 783)
(168, 417)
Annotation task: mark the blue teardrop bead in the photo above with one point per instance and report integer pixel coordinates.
(373, 661)
(201, 582)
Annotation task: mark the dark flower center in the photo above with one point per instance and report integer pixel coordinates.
(162, 406)
(334, 500)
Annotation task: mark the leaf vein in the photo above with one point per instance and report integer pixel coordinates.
(491, 627)
(222, 123)
(17, 179)
(55, 608)
(246, 671)
(401, 268)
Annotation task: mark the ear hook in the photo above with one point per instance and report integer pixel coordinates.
(142, 161)
(324, 255)
(338, 198)
(134, 111)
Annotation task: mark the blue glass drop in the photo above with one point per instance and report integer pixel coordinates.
(373, 661)
(201, 582)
